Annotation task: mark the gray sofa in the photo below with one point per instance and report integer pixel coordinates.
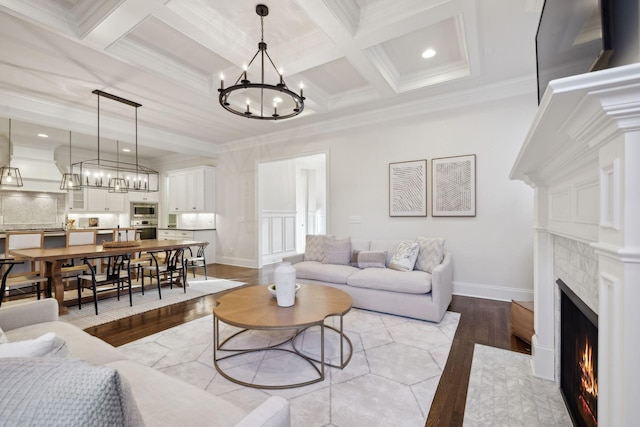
(415, 293)
(160, 400)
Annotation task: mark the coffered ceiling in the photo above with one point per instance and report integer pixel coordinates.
(353, 56)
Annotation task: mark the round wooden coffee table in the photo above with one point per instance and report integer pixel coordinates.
(255, 308)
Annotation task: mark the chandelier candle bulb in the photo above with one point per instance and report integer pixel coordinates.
(221, 81)
(284, 278)
(244, 75)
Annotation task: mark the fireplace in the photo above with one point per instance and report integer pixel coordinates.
(581, 156)
(578, 358)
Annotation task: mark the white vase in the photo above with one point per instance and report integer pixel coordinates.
(284, 277)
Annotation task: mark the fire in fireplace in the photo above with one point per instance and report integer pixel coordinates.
(578, 358)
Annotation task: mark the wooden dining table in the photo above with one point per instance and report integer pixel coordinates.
(54, 258)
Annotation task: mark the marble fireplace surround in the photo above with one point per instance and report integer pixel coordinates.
(582, 157)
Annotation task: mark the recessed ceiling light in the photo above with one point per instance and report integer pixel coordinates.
(43, 135)
(429, 53)
(126, 150)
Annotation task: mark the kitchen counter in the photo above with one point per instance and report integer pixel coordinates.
(57, 237)
(55, 232)
(187, 229)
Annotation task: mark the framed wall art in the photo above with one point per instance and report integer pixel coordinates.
(453, 186)
(408, 188)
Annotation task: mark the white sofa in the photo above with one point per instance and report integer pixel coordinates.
(160, 400)
(415, 293)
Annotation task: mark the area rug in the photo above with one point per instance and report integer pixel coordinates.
(503, 391)
(391, 379)
(111, 309)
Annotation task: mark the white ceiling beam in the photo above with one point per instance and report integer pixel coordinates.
(121, 21)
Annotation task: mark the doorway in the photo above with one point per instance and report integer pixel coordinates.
(292, 203)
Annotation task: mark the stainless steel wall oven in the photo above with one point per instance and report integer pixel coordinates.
(144, 218)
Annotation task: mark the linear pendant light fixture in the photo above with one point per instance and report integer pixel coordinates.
(261, 100)
(10, 176)
(116, 176)
(70, 181)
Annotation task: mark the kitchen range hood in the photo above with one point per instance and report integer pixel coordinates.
(38, 169)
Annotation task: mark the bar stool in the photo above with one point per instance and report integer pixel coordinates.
(34, 275)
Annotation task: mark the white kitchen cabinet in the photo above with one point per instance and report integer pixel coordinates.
(177, 194)
(191, 190)
(173, 234)
(77, 200)
(94, 200)
(103, 201)
(140, 196)
(166, 234)
(197, 235)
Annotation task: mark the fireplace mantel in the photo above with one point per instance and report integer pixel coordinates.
(582, 157)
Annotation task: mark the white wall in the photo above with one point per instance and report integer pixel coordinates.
(492, 252)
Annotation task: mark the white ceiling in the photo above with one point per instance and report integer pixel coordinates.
(354, 57)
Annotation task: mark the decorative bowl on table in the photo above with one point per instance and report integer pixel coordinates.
(272, 289)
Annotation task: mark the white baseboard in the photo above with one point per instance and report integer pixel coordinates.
(499, 293)
(276, 258)
(238, 262)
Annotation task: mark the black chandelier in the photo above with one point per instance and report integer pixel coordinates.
(116, 176)
(274, 102)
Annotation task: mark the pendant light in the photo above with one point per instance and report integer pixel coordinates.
(10, 176)
(70, 180)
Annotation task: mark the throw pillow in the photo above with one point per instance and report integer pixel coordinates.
(314, 248)
(53, 391)
(431, 253)
(354, 258)
(37, 347)
(337, 251)
(405, 256)
(372, 259)
(47, 345)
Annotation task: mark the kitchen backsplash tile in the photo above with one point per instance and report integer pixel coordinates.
(197, 220)
(23, 209)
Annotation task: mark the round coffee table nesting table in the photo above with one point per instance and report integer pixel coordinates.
(255, 308)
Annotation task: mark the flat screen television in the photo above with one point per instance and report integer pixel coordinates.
(574, 37)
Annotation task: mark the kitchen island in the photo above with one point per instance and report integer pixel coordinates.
(57, 237)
